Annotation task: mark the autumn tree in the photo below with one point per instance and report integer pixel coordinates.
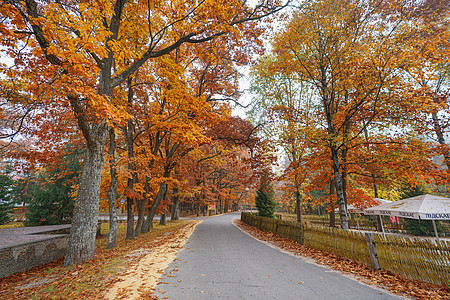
(351, 53)
(80, 53)
(283, 104)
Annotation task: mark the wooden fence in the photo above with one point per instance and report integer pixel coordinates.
(427, 260)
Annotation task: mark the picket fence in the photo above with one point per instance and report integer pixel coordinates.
(427, 260)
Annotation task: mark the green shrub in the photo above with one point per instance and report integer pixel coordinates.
(421, 227)
(265, 199)
(6, 200)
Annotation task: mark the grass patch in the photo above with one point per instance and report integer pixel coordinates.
(12, 225)
(88, 280)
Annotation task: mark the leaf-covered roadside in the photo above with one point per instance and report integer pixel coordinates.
(385, 279)
(87, 280)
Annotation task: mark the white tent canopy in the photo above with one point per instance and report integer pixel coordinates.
(353, 209)
(424, 207)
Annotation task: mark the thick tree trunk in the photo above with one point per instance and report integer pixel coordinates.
(163, 221)
(112, 192)
(175, 204)
(142, 204)
(151, 214)
(85, 216)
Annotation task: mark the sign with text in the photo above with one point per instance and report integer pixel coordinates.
(211, 207)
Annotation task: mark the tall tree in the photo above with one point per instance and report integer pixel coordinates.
(351, 53)
(79, 53)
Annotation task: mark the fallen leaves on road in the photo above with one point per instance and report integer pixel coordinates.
(91, 279)
(143, 275)
(395, 283)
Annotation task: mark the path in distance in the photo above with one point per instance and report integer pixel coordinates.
(219, 261)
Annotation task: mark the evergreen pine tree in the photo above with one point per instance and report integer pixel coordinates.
(265, 198)
(51, 202)
(6, 198)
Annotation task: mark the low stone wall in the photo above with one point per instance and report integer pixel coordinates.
(26, 256)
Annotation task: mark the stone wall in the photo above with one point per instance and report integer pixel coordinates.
(26, 256)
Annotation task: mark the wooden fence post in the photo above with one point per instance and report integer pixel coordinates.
(372, 251)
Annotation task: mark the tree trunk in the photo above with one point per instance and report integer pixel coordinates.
(332, 214)
(175, 204)
(130, 218)
(81, 245)
(198, 206)
(162, 221)
(375, 187)
(441, 140)
(142, 204)
(151, 214)
(344, 176)
(339, 188)
(129, 141)
(112, 192)
(298, 201)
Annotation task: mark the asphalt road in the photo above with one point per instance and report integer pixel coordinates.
(221, 262)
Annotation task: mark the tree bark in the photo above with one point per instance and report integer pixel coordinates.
(142, 204)
(130, 218)
(339, 188)
(175, 204)
(112, 192)
(151, 214)
(198, 205)
(441, 140)
(375, 187)
(129, 141)
(298, 207)
(81, 245)
(163, 221)
(332, 214)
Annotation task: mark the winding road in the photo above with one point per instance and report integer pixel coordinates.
(219, 261)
